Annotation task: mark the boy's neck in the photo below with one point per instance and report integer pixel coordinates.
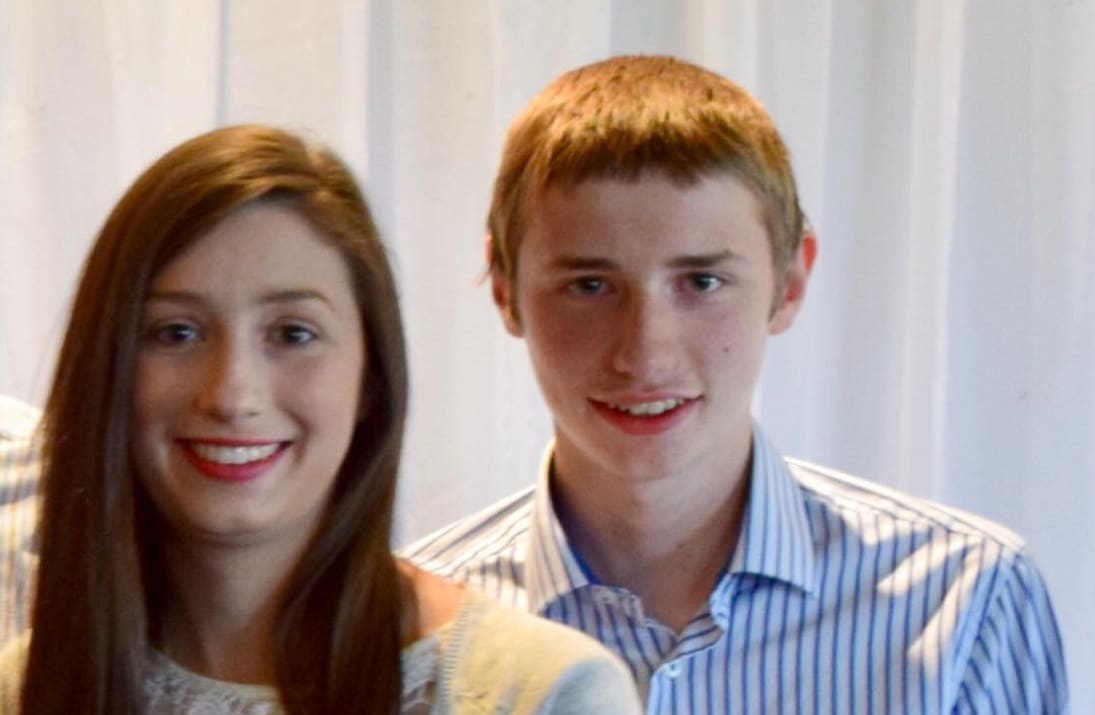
(667, 540)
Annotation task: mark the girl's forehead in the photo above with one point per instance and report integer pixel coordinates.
(258, 248)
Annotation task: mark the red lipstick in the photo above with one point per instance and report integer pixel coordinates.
(232, 472)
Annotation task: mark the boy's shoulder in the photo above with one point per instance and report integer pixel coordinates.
(498, 530)
(832, 494)
(17, 419)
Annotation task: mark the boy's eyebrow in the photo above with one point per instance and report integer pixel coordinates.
(696, 260)
(582, 263)
(705, 260)
(288, 295)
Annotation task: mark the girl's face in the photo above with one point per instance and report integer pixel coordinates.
(248, 377)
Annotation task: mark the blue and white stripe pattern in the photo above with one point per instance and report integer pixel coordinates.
(840, 597)
(19, 472)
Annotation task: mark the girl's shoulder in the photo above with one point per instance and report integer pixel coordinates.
(438, 602)
(13, 663)
(499, 659)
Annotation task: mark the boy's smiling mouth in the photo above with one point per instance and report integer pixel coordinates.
(653, 407)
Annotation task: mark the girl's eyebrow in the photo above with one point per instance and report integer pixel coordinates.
(292, 295)
(288, 295)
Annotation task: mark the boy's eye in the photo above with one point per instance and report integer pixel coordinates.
(588, 285)
(293, 334)
(704, 282)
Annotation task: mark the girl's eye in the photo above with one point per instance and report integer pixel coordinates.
(173, 333)
(293, 334)
(588, 285)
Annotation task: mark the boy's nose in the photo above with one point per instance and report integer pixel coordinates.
(647, 343)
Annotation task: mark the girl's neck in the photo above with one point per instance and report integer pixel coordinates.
(221, 609)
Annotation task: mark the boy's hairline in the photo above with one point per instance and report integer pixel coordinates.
(683, 179)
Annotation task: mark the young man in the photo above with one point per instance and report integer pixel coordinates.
(646, 239)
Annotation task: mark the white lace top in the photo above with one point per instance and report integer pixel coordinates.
(171, 689)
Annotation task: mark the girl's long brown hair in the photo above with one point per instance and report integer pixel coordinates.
(100, 593)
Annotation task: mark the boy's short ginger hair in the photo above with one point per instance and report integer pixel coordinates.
(627, 116)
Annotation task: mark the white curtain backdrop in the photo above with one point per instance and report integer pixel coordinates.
(945, 151)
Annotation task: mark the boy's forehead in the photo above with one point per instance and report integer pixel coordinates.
(652, 195)
(711, 215)
(651, 180)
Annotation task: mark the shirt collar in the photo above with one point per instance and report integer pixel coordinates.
(553, 567)
(775, 538)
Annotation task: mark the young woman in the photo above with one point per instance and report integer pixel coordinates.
(222, 441)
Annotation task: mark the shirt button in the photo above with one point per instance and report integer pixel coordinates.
(673, 669)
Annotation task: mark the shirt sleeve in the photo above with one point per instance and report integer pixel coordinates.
(1017, 661)
(19, 505)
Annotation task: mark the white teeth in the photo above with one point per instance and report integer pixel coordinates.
(648, 408)
(233, 455)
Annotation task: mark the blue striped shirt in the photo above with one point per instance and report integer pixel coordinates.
(841, 596)
(19, 471)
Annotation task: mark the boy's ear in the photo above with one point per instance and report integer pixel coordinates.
(501, 289)
(795, 278)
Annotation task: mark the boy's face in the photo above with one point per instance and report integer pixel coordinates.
(646, 306)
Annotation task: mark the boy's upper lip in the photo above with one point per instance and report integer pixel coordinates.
(638, 398)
